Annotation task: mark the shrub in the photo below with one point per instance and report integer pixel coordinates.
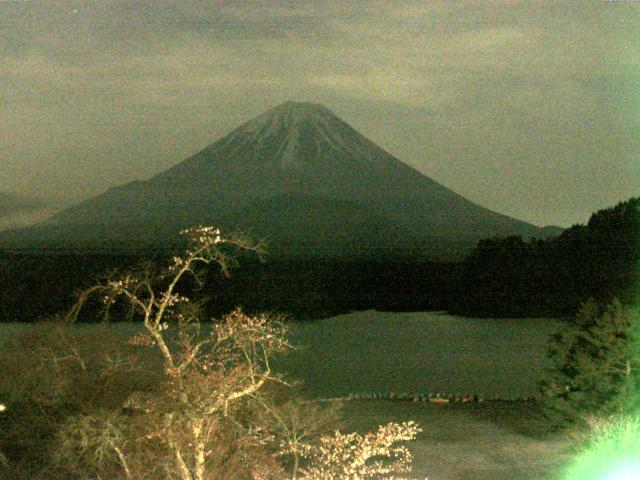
(595, 366)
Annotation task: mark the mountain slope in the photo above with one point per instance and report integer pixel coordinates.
(296, 161)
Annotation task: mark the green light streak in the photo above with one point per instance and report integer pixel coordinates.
(613, 454)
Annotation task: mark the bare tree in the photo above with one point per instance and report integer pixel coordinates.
(295, 424)
(208, 372)
(353, 456)
(210, 413)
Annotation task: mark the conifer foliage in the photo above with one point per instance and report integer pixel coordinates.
(594, 363)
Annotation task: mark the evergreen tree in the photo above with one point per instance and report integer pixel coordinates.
(595, 364)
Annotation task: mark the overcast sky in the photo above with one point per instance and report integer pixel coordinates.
(528, 108)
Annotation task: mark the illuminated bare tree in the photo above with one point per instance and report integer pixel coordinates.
(210, 413)
(208, 372)
(353, 456)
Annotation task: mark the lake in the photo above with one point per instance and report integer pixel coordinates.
(418, 352)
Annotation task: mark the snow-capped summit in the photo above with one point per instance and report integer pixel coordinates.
(291, 124)
(295, 133)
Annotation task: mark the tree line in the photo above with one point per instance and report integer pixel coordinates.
(501, 277)
(510, 277)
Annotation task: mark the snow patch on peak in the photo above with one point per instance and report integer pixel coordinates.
(289, 118)
(295, 132)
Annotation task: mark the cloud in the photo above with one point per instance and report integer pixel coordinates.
(13, 204)
(122, 89)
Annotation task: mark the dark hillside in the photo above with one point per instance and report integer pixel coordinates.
(37, 286)
(511, 277)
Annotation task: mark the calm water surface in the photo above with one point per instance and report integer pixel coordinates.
(419, 352)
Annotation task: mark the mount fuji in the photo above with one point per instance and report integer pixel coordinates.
(297, 176)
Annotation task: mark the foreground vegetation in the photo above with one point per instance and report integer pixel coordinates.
(595, 364)
(593, 388)
(176, 401)
(181, 399)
